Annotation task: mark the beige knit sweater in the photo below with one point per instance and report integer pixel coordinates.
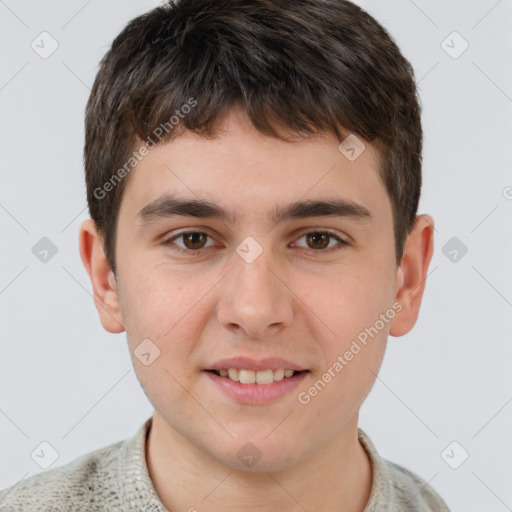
(116, 478)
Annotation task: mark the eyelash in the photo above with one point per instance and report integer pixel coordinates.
(170, 241)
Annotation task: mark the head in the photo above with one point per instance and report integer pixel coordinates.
(239, 107)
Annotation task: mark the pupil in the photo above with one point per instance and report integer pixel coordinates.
(191, 237)
(323, 238)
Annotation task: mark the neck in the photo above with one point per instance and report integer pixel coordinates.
(338, 477)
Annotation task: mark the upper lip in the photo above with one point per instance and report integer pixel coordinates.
(246, 363)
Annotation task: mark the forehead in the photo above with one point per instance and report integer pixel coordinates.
(250, 174)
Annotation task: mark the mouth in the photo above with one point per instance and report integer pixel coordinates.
(251, 387)
(255, 382)
(263, 377)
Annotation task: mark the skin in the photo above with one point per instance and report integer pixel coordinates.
(293, 301)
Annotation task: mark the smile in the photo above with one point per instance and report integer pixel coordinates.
(250, 387)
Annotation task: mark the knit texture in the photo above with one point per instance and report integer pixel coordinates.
(116, 478)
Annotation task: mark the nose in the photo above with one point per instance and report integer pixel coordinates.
(255, 298)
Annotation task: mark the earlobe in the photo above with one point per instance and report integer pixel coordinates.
(412, 274)
(102, 279)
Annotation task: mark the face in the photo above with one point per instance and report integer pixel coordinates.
(202, 289)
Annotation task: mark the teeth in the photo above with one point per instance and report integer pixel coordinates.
(264, 377)
(279, 374)
(252, 377)
(247, 376)
(233, 374)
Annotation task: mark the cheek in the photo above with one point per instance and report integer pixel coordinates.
(153, 304)
(345, 303)
(161, 310)
(346, 311)
(351, 360)
(165, 307)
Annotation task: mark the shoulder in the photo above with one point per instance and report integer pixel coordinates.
(413, 491)
(85, 483)
(395, 488)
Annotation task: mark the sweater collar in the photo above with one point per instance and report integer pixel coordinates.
(138, 493)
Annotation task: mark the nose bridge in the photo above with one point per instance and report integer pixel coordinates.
(255, 268)
(254, 298)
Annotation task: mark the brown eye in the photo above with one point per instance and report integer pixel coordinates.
(320, 240)
(193, 241)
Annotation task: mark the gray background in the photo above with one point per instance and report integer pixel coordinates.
(66, 381)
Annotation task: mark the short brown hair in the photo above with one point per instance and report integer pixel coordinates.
(307, 66)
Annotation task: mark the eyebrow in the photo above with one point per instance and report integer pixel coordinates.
(169, 206)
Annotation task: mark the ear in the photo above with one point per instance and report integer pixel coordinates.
(102, 278)
(412, 274)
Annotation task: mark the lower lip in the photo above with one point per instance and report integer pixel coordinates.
(256, 394)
